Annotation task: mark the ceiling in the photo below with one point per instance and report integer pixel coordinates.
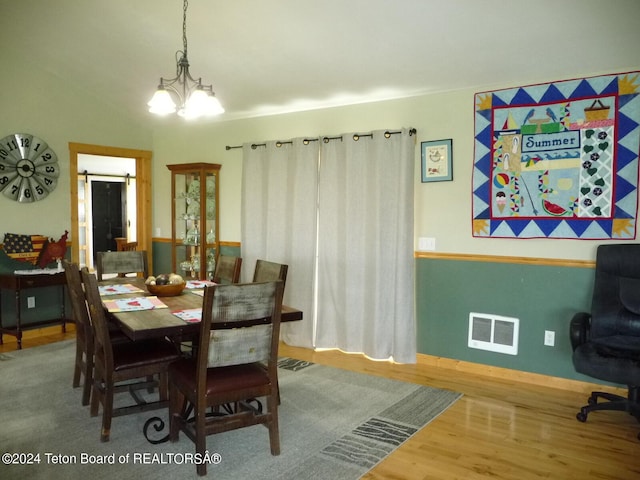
(277, 56)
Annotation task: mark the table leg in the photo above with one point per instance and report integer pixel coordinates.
(63, 313)
(1, 341)
(18, 322)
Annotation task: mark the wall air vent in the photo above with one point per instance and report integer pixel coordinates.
(493, 333)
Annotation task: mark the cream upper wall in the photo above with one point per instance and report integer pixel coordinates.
(33, 101)
(442, 209)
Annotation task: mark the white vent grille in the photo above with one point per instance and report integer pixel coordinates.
(493, 333)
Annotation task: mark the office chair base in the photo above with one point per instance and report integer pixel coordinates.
(612, 402)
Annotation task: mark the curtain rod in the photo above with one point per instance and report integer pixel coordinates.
(356, 137)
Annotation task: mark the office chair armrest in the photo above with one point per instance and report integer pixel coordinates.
(579, 329)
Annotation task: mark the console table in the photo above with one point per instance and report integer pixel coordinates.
(21, 282)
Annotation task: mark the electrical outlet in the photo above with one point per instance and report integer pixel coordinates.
(426, 244)
(31, 302)
(549, 338)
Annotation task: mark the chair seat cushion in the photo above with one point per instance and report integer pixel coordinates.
(625, 346)
(136, 354)
(220, 379)
(614, 359)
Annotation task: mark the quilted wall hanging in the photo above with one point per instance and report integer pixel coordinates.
(558, 160)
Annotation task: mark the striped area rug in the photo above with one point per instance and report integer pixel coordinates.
(334, 424)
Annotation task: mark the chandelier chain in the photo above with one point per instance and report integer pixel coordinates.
(195, 99)
(184, 26)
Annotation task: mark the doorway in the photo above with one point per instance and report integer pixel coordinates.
(137, 215)
(107, 204)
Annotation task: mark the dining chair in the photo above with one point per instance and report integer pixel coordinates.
(231, 366)
(83, 366)
(227, 269)
(122, 263)
(123, 246)
(266, 271)
(119, 362)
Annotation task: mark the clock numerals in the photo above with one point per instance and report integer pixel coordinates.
(25, 194)
(49, 170)
(29, 169)
(18, 145)
(11, 189)
(29, 190)
(46, 157)
(6, 177)
(6, 158)
(36, 189)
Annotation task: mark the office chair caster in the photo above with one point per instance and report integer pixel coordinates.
(582, 415)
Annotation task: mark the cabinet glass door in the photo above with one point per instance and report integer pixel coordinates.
(195, 219)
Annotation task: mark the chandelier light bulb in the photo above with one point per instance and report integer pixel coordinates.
(161, 103)
(195, 106)
(214, 107)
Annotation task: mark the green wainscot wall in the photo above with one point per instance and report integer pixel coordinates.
(541, 297)
(162, 256)
(47, 299)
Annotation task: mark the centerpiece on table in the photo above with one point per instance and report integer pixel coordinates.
(165, 284)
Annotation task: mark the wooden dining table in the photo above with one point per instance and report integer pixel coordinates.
(162, 322)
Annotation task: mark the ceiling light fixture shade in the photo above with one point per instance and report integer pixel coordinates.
(194, 99)
(162, 103)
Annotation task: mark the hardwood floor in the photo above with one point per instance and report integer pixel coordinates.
(500, 429)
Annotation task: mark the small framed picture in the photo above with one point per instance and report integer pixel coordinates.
(437, 160)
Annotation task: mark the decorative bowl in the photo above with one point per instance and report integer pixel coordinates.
(169, 290)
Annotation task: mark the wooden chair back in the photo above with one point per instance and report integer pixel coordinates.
(266, 271)
(122, 263)
(84, 332)
(227, 269)
(103, 348)
(250, 313)
(123, 246)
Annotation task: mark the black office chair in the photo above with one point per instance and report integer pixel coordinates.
(606, 342)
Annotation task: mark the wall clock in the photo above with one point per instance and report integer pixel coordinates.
(28, 168)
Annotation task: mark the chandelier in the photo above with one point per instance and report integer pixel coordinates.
(194, 98)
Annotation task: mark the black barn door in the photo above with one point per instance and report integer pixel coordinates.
(109, 216)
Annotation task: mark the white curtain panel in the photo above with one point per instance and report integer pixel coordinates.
(365, 250)
(357, 217)
(279, 206)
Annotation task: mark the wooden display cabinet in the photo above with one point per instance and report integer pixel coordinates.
(194, 219)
